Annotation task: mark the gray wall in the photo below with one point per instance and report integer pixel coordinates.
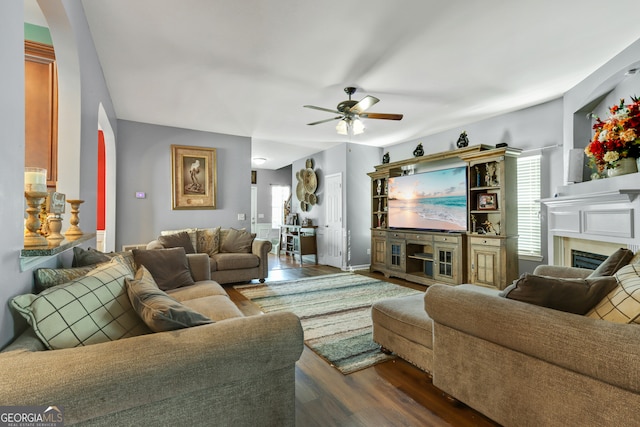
(92, 92)
(144, 164)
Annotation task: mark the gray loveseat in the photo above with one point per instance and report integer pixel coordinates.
(238, 371)
(228, 267)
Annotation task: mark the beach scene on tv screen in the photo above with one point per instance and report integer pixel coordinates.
(435, 200)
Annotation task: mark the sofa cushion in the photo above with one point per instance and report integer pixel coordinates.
(576, 296)
(92, 309)
(158, 310)
(177, 240)
(613, 263)
(169, 267)
(201, 289)
(192, 232)
(622, 304)
(406, 317)
(234, 261)
(208, 240)
(237, 241)
(215, 307)
(45, 278)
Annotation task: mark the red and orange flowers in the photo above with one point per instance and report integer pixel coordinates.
(617, 137)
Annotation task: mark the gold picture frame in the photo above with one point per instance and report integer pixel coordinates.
(193, 177)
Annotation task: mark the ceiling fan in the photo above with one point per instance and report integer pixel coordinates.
(350, 112)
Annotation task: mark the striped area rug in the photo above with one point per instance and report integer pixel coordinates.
(335, 312)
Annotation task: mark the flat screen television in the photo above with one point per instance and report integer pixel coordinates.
(434, 200)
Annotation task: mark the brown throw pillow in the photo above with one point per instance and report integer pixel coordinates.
(84, 257)
(178, 240)
(576, 296)
(169, 267)
(613, 263)
(158, 310)
(237, 241)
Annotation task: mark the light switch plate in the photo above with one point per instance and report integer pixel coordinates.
(241, 217)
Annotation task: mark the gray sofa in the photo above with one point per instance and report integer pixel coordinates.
(238, 371)
(517, 363)
(525, 365)
(236, 267)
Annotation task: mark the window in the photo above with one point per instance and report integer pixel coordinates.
(529, 206)
(279, 195)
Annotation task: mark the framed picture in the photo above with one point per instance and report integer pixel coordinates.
(193, 177)
(487, 201)
(254, 177)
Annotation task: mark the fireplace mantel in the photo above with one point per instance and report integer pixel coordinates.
(605, 210)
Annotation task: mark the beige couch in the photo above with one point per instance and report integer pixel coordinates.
(238, 371)
(234, 267)
(525, 365)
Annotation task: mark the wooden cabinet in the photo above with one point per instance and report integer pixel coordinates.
(493, 217)
(41, 109)
(485, 254)
(296, 240)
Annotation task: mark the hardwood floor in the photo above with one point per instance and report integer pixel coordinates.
(393, 393)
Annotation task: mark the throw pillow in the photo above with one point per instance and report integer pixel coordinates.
(192, 232)
(621, 305)
(158, 310)
(93, 257)
(92, 309)
(208, 241)
(169, 267)
(576, 296)
(237, 241)
(84, 257)
(45, 278)
(613, 263)
(178, 240)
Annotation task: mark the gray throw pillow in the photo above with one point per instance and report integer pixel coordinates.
(178, 240)
(237, 241)
(45, 278)
(613, 263)
(158, 310)
(84, 257)
(169, 267)
(576, 296)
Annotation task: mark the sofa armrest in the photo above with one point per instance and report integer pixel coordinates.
(200, 266)
(562, 272)
(603, 350)
(261, 248)
(106, 378)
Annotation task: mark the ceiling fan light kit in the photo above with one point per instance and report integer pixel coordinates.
(350, 112)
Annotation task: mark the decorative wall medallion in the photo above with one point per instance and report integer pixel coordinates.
(307, 186)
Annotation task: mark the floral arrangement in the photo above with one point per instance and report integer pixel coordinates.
(617, 137)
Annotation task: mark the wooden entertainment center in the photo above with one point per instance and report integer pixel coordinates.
(485, 254)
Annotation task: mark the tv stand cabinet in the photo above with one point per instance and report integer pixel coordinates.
(485, 254)
(422, 257)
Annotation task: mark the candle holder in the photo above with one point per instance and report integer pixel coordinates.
(74, 231)
(55, 225)
(32, 223)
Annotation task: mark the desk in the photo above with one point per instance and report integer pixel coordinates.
(298, 240)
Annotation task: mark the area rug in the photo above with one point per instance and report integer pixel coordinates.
(335, 312)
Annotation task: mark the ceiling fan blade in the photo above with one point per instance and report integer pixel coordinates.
(325, 121)
(322, 109)
(383, 116)
(364, 103)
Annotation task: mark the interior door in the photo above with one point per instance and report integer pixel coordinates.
(333, 215)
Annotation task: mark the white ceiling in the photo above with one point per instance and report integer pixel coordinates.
(247, 67)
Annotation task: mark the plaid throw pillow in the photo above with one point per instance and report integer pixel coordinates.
(621, 305)
(92, 309)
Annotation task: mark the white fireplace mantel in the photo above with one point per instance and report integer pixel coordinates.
(605, 210)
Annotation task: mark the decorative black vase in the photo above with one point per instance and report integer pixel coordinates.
(463, 141)
(418, 151)
(386, 158)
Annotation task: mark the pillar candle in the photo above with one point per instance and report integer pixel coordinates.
(35, 179)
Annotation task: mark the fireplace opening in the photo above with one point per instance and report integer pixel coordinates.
(586, 259)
